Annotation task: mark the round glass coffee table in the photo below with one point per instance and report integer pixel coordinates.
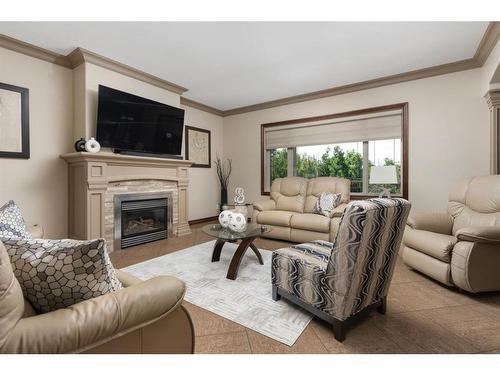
(247, 237)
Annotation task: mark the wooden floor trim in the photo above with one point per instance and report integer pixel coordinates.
(203, 220)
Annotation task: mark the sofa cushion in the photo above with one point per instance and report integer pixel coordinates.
(11, 221)
(300, 270)
(475, 202)
(436, 245)
(275, 217)
(289, 193)
(326, 204)
(319, 185)
(59, 273)
(313, 222)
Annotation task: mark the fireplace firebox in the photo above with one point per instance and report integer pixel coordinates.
(141, 218)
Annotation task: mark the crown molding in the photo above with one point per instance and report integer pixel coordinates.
(201, 106)
(31, 50)
(493, 99)
(487, 43)
(80, 55)
(359, 86)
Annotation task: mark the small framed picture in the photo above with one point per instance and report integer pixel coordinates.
(14, 122)
(198, 149)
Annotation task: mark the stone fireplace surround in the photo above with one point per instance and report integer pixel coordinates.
(94, 180)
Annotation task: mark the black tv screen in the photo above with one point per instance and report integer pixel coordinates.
(130, 123)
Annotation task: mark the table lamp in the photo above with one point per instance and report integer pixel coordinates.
(385, 174)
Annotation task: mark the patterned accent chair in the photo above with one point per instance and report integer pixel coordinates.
(339, 281)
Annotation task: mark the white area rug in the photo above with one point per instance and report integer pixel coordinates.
(246, 300)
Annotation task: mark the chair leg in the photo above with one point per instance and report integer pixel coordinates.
(339, 328)
(382, 308)
(276, 296)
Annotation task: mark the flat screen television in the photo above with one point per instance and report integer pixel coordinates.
(127, 122)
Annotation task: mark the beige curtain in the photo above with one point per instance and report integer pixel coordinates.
(347, 129)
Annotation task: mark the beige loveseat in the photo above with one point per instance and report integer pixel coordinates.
(143, 317)
(462, 246)
(290, 210)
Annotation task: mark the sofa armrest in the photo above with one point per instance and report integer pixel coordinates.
(486, 234)
(35, 231)
(95, 321)
(265, 205)
(127, 279)
(339, 210)
(432, 222)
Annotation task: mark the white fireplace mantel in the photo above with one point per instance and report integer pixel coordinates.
(92, 176)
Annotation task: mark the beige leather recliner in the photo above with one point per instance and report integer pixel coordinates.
(461, 247)
(143, 317)
(290, 211)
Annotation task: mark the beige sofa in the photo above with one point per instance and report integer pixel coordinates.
(143, 317)
(461, 247)
(290, 210)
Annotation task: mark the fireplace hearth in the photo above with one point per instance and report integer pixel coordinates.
(141, 218)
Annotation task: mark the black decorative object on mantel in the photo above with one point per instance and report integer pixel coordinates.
(223, 172)
(80, 145)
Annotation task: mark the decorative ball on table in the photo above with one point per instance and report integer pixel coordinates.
(92, 145)
(238, 222)
(225, 217)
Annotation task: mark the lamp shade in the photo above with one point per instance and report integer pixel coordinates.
(385, 174)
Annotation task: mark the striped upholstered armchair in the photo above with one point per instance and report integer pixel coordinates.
(338, 282)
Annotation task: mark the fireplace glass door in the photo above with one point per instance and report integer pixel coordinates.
(143, 221)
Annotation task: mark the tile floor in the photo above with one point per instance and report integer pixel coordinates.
(422, 317)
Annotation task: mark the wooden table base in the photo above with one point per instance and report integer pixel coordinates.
(245, 243)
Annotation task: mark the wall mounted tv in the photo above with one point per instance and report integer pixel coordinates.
(130, 124)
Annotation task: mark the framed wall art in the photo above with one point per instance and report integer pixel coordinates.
(14, 122)
(198, 148)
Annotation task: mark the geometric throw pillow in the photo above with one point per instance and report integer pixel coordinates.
(56, 274)
(12, 222)
(326, 203)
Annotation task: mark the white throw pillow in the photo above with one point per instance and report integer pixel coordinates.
(326, 203)
(11, 221)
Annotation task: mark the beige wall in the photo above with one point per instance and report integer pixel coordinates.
(62, 109)
(448, 126)
(449, 133)
(96, 75)
(204, 191)
(39, 184)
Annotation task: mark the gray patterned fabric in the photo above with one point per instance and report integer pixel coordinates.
(326, 203)
(11, 221)
(59, 273)
(343, 278)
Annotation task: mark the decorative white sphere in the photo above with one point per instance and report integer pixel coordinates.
(225, 218)
(238, 222)
(92, 145)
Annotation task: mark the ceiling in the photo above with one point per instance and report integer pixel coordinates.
(233, 64)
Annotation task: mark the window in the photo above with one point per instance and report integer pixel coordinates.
(340, 160)
(342, 145)
(385, 152)
(279, 163)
